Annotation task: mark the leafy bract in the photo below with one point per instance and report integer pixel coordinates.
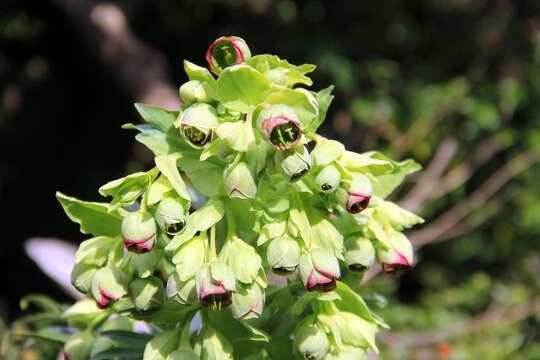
(126, 190)
(162, 119)
(240, 87)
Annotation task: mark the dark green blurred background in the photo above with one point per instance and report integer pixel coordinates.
(454, 84)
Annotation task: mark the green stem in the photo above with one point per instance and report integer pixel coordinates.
(213, 250)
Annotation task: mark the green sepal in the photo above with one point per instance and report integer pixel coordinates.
(324, 99)
(299, 101)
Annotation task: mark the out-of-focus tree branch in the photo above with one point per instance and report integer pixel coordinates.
(140, 70)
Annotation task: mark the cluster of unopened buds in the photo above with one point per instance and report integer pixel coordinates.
(242, 187)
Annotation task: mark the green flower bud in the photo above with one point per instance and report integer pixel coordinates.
(311, 341)
(139, 231)
(197, 125)
(353, 330)
(242, 258)
(190, 256)
(194, 91)
(279, 124)
(239, 181)
(79, 346)
(360, 253)
(356, 198)
(184, 292)
(398, 258)
(347, 353)
(215, 285)
(283, 255)
(248, 302)
(171, 215)
(214, 346)
(328, 178)
(293, 163)
(182, 355)
(81, 277)
(319, 270)
(108, 285)
(226, 51)
(147, 293)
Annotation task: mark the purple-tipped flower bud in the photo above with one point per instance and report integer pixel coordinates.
(248, 302)
(239, 181)
(139, 232)
(171, 215)
(319, 270)
(398, 258)
(293, 163)
(356, 198)
(226, 51)
(215, 285)
(108, 285)
(283, 255)
(311, 341)
(279, 124)
(197, 125)
(328, 178)
(360, 253)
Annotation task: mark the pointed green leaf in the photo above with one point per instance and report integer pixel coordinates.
(161, 118)
(126, 190)
(167, 165)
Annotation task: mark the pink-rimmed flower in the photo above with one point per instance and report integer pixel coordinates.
(398, 257)
(319, 270)
(139, 232)
(108, 285)
(357, 196)
(280, 126)
(226, 51)
(356, 202)
(215, 285)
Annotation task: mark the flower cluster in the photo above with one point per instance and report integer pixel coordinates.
(243, 186)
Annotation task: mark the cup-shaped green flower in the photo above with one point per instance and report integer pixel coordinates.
(358, 194)
(171, 215)
(310, 340)
(248, 301)
(79, 346)
(197, 125)
(319, 270)
(215, 285)
(139, 232)
(239, 181)
(108, 285)
(398, 258)
(226, 51)
(194, 91)
(241, 258)
(213, 346)
(182, 355)
(328, 178)
(360, 253)
(184, 292)
(283, 255)
(280, 126)
(147, 293)
(293, 163)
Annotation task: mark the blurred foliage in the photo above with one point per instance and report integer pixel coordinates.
(408, 75)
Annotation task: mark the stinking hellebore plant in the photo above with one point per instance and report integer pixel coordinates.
(235, 194)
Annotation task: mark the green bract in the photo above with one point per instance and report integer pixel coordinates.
(236, 194)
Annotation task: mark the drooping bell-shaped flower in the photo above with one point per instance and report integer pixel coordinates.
(226, 51)
(213, 345)
(293, 163)
(319, 270)
(356, 197)
(197, 125)
(280, 126)
(398, 258)
(139, 231)
(248, 301)
(283, 255)
(310, 340)
(108, 285)
(215, 285)
(328, 179)
(360, 253)
(194, 91)
(241, 258)
(147, 293)
(171, 215)
(239, 181)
